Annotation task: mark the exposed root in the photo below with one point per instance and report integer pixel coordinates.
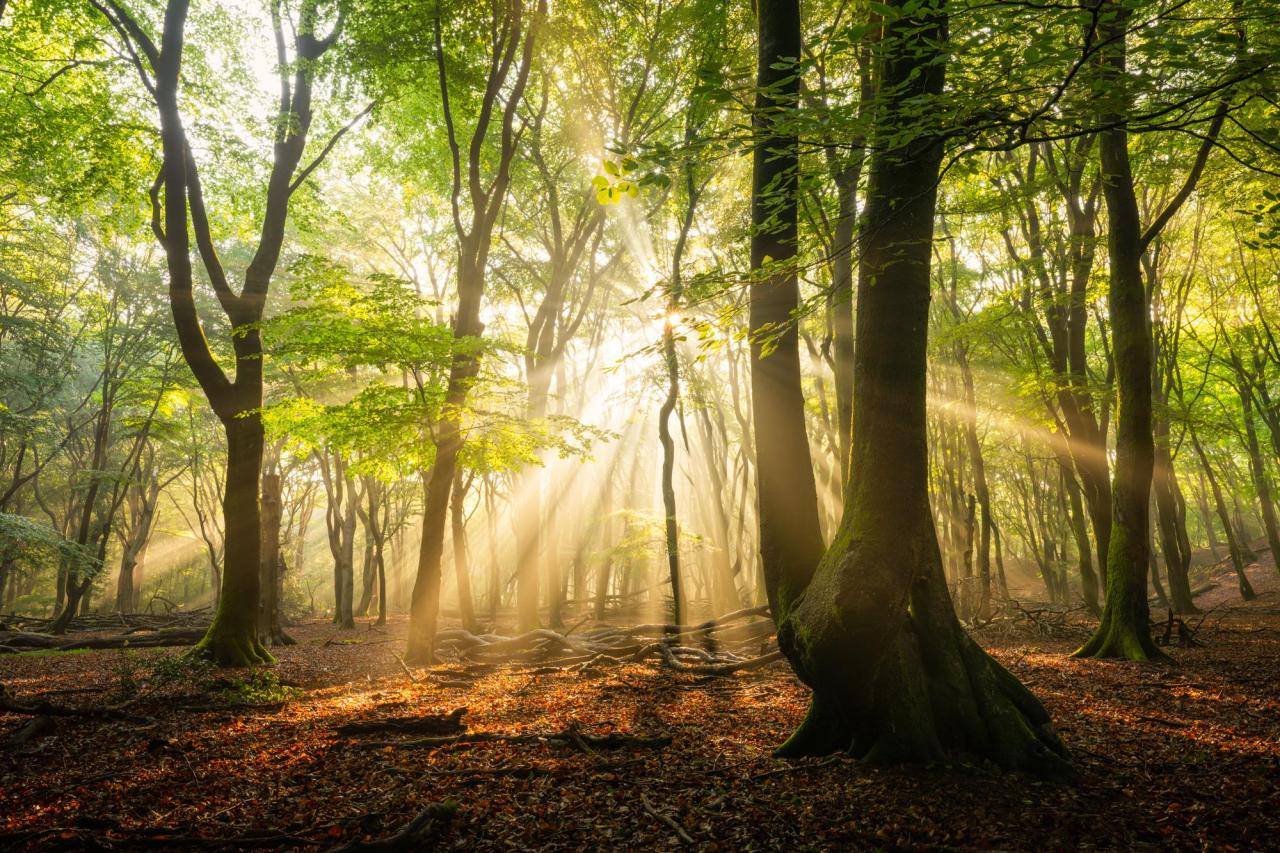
(1119, 639)
(570, 737)
(731, 643)
(228, 646)
(417, 834)
(11, 704)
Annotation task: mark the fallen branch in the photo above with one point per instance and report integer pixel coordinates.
(33, 729)
(422, 724)
(31, 641)
(668, 820)
(11, 704)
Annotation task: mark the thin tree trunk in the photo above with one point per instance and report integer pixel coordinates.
(461, 561)
(790, 533)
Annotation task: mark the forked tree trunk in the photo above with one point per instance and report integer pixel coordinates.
(232, 638)
(1233, 543)
(514, 33)
(894, 676)
(1165, 489)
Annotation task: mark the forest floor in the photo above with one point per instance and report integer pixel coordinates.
(1183, 756)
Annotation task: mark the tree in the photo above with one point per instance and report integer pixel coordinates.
(1125, 630)
(514, 29)
(874, 633)
(178, 206)
(790, 534)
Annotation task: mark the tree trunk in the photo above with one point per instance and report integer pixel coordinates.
(895, 677)
(1238, 561)
(1124, 631)
(461, 562)
(842, 308)
(671, 526)
(232, 639)
(1177, 560)
(1258, 470)
(1080, 532)
(790, 533)
(1000, 575)
(1206, 519)
(981, 490)
(270, 628)
(529, 540)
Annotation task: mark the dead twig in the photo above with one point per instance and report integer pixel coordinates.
(668, 820)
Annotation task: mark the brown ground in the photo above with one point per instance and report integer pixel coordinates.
(1170, 757)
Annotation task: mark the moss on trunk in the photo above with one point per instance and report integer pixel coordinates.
(872, 630)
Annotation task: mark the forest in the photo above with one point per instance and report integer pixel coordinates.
(639, 424)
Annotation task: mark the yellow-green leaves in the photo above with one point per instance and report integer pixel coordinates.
(616, 183)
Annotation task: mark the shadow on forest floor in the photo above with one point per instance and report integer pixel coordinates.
(1184, 756)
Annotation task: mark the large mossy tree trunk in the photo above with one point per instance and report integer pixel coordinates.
(894, 676)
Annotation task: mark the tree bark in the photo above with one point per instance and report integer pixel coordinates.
(895, 677)
(1258, 470)
(514, 36)
(270, 623)
(1124, 631)
(790, 532)
(1177, 559)
(461, 562)
(1237, 555)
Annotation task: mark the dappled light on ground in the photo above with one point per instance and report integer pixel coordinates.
(1168, 755)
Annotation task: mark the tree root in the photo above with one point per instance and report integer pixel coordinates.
(667, 819)
(728, 644)
(567, 737)
(417, 834)
(10, 704)
(229, 646)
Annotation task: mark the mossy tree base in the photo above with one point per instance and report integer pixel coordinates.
(230, 644)
(1124, 633)
(1118, 639)
(903, 683)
